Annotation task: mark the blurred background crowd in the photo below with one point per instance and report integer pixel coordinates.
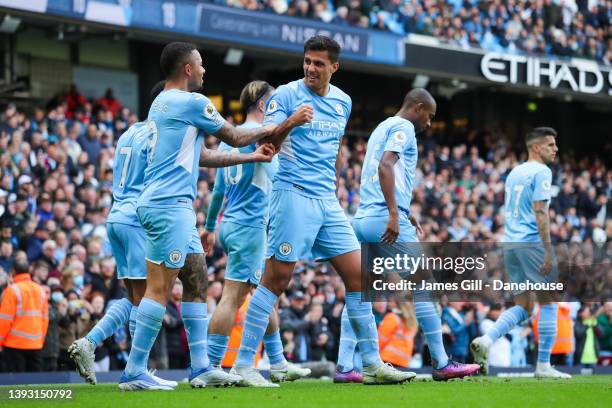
(569, 28)
(55, 194)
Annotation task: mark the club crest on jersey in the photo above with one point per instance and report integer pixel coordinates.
(272, 106)
(209, 110)
(285, 248)
(175, 256)
(339, 109)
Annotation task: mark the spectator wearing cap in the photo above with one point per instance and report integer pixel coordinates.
(34, 245)
(292, 319)
(26, 189)
(24, 320)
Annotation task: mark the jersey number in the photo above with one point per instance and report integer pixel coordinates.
(513, 198)
(151, 141)
(127, 151)
(227, 172)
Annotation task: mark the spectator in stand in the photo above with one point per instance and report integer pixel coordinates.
(500, 351)
(604, 333)
(587, 346)
(58, 317)
(176, 338)
(74, 100)
(294, 319)
(542, 26)
(460, 320)
(109, 103)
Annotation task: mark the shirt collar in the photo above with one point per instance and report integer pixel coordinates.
(22, 277)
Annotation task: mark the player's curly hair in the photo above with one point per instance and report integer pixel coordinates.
(174, 56)
(323, 43)
(252, 93)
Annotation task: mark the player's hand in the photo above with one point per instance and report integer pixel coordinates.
(301, 116)
(546, 267)
(417, 225)
(208, 242)
(392, 231)
(264, 153)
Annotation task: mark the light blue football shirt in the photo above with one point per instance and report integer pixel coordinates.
(307, 157)
(526, 183)
(177, 122)
(394, 134)
(129, 166)
(246, 186)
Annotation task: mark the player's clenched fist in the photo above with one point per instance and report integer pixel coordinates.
(302, 115)
(264, 153)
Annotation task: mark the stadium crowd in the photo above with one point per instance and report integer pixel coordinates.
(55, 194)
(568, 28)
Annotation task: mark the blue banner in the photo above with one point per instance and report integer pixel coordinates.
(234, 26)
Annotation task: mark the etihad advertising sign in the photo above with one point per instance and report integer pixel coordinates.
(576, 74)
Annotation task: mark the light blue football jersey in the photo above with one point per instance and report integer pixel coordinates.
(394, 134)
(129, 166)
(246, 186)
(526, 183)
(307, 157)
(177, 122)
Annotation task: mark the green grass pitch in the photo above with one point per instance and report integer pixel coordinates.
(590, 391)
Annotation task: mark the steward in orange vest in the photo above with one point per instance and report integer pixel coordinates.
(396, 337)
(236, 336)
(564, 344)
(24, 320)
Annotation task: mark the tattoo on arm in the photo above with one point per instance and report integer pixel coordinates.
(213, 158)
(540, 208)
(241, 137)
(194, 278)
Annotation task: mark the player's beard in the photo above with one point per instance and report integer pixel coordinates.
(196, 86)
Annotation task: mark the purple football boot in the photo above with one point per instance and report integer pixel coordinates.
(454, 370)
(352, 376)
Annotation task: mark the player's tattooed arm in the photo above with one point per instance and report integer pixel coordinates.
(279, 132)
(540, 208)
(214, 158)
(194, 277)
(386, 176)
(239, 137)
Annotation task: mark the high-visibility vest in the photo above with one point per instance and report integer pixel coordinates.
(24, 314)
(564, 343)
(236, 336)
(395, 340)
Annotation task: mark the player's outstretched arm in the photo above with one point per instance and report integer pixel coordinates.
(214, 158)
(540, 208)
(239, 137)
(279, 132)
(386, 176)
